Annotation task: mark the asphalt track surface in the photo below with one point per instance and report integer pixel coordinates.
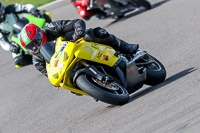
(170, 32)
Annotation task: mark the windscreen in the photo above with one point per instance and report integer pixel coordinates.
(47, 50)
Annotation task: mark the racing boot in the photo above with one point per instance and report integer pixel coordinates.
(124, 47)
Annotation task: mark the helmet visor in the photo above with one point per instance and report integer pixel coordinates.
(35, 44)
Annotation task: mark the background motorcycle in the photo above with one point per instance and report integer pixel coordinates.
(97, 70)
(111, 8)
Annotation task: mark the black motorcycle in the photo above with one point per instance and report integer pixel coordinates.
(116, 8)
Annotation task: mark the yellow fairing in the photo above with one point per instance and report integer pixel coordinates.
(68, 53)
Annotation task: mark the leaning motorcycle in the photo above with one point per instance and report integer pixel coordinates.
(97, 70)
(115, 8)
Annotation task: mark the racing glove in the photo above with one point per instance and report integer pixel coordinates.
(78, 33)
(35, 12)
(14, 49)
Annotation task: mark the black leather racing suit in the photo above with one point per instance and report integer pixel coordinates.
(75, 29)
(7, 20)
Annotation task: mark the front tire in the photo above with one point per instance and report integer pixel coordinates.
(100, 92)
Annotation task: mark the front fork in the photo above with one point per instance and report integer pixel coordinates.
(95, 73)
(90, 70)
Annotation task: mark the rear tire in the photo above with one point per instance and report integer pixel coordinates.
(88, 85)
(142, 4)
(156, 72)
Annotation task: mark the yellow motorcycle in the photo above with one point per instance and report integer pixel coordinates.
(97, 70)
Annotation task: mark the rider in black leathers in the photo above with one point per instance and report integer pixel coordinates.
(73, 30)
(8, 17)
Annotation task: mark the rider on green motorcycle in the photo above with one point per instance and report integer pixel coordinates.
(32, 38)
(8, 17)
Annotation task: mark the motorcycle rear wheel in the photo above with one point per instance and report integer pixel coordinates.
(98, 90)
(142, 4)
(156, 72)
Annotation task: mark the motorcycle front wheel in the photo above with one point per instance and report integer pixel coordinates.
(112, 93)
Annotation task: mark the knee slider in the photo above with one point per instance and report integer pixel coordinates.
(100, 32)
